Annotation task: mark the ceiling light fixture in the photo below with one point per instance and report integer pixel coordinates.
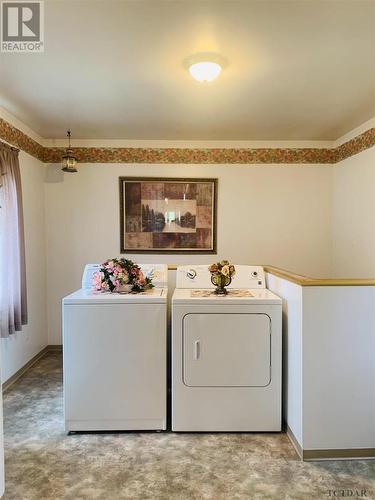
(205, 71)
(205, 66)
(68, 161)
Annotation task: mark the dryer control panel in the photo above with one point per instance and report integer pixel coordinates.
(198, 276)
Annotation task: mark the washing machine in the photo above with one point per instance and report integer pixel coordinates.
(114, 357)
(226, 353)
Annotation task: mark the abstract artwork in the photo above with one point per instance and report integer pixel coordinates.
(162, 215)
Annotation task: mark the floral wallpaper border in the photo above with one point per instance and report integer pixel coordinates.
(194, 156)
(14, 136)
(19, 139)
(355, 145)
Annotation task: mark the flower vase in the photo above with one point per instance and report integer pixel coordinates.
(123, 289)
(220, 281)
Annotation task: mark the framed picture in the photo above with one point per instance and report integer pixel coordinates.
(163, 215)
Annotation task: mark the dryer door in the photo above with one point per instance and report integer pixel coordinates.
(226, 350)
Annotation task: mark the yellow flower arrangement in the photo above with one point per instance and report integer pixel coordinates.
(221, 275)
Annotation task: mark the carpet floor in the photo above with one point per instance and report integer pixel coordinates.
(42, 462)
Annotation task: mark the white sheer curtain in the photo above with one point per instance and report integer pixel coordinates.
(13, 303)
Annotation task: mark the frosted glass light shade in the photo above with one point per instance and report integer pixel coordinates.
(205, 71)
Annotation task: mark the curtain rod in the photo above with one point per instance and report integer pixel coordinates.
(8, 146)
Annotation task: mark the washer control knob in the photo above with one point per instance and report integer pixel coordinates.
(191, 274)
(254, 274)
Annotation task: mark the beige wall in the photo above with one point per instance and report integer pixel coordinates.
(278, 214)
(315, 220)
(354, 216)
(19, 348)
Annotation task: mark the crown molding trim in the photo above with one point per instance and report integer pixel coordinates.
(243, 156)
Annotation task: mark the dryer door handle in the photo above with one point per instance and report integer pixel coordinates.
(197, 350)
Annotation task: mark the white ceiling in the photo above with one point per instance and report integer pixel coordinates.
(298, 70)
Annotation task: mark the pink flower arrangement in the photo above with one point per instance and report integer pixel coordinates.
(117, 274)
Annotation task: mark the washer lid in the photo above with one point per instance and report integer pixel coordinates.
(154, 296)
(207, 296)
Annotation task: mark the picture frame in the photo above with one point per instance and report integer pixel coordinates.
(165, 215)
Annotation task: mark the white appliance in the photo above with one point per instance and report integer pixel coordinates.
(226, 353)
(2, 476)
(114, 348)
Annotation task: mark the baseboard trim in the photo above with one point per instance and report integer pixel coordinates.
(339, 454)
(295, 443)
(330, 454)
(54, 348)
(19, 373)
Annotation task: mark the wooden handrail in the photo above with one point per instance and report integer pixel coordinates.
(307, 281)
(301, 280)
